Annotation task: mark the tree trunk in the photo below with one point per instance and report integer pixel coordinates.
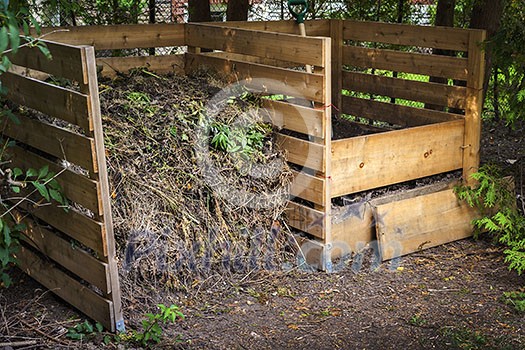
(199, 11)
(444, 17)
(237, 10)
(486, 14)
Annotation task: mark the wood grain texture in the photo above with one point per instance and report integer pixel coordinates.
(445, 38)
(306, 219)
(371, 161)
(301, 152)
(407, 62)
(308, 187)
(319, 27)
(294, 117)
(439, 94)
(49, 99)
(125, 36)
(158, 64)
(410, 225)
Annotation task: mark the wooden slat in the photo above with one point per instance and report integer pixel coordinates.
(336, 34)
(112, 37)
(66, 62)
(439, 94)
(372, 161)
(301, 152)
(76, 187)
(56, 141)
(353, 224)
(87, 231)
(407, 62)
(253, 59)
(66, 287)
(294, 117)
(283, 47)
(159, 64)
(474, 105)
(72, 258)
(318, 27)
(308, 187)
(394, 113)
(306, 219)
(402, 34)
(49, 99)
(263, 78)
(422, 222)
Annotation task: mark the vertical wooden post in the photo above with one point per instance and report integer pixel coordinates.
(474, 105)
(336, 34)
(90, 87)
(327, 130)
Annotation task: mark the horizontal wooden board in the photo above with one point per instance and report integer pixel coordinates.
(318, 27)
(377, 160)
(126, 36)
(72, 258)
(55, 101)
(407, 62)
(410, 225)
(263, 78)
(87, 231)
(296, 118)
(306, 219)
(403, 34)
(56, 141)
(77, 188)
(253, 59)
(283, 47)
(159, 64)
(67, 288)
(67, 60)
(301, 152)
(308, 187)
(353, 225)
(393, 113)
(439, 94)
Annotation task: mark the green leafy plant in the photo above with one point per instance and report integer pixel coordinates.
(494, 197)
(84, 330)
(516, 299)
(151, 327)
(417, 320)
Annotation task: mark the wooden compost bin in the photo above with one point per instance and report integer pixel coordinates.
(267, 58)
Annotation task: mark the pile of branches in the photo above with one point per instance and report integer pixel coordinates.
(198, 185)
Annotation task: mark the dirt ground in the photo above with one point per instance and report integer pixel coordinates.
(448, 297)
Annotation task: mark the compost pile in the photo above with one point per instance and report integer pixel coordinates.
(198, 186)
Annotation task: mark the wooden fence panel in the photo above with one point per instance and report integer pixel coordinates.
(48, 254)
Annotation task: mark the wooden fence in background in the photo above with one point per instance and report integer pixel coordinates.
(72, 253)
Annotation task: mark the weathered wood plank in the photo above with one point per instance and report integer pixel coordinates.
(421, 222)
(319, 27)
(49, 99)
(126, 36)
(407, 62)
(446, 38)
(308, 187)
(393, 113)
(306, 219)
(56, 141)
(293, 117)
(159, 64)
(253, 59)
(301, 152)
(353, 225)
(263, 78)
(74, 259)
(67, 61)
(292, 48)
(371, 161)
(87, 231)
(76, 187)
(336, 34)
(66, 287)
(439, 94)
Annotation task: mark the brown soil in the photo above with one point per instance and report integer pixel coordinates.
(441, 298)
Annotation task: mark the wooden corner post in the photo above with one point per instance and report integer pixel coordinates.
(336, 35)
(90, 87)
(474, 104)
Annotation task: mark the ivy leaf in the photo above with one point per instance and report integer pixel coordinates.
(56, 195)
(31, 172)
(15, 189)
(43, 172)
(17, 172)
